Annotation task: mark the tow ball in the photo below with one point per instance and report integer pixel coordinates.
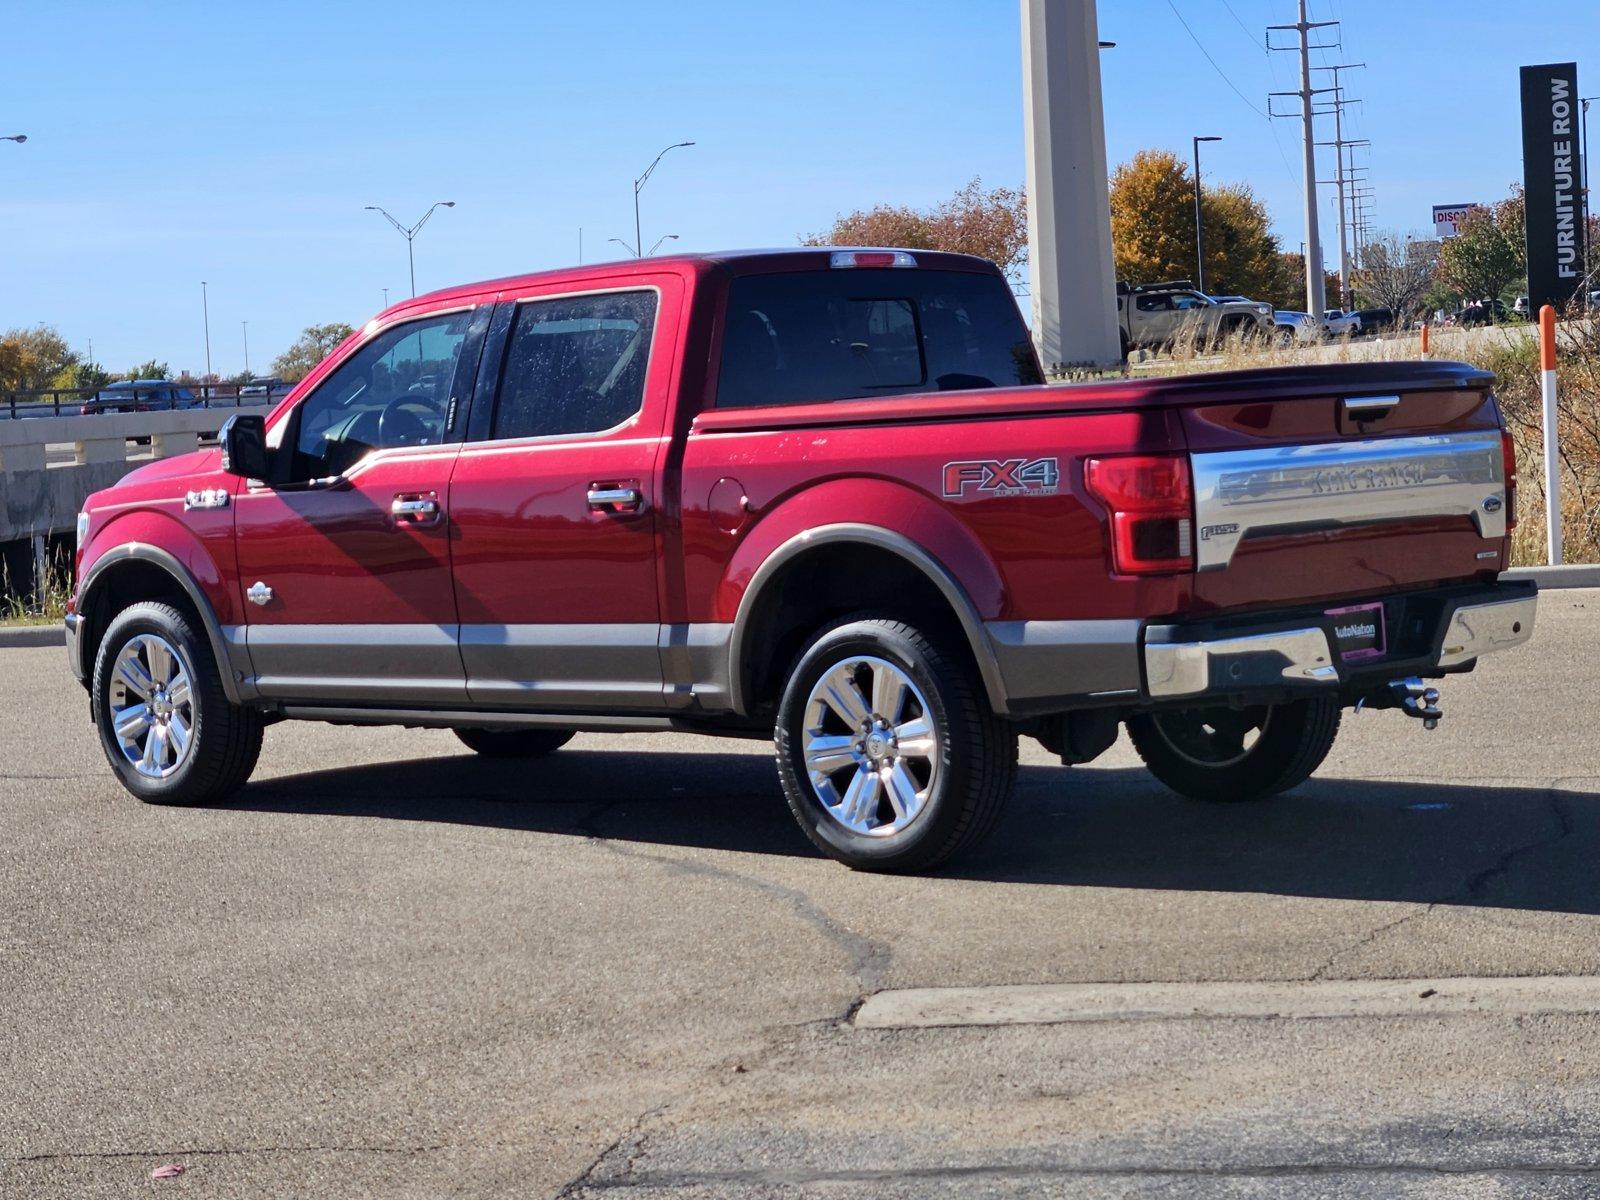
(1417, 699)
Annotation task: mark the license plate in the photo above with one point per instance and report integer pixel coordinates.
(1358, 631)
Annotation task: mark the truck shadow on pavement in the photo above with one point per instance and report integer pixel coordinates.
(1509, 847)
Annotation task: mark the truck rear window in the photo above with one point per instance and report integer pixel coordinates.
(809, 336)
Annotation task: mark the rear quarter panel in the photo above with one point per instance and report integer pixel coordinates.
(1035, 554)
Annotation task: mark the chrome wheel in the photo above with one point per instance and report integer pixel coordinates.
(1214, 737)
(871, 749)
(152, 706)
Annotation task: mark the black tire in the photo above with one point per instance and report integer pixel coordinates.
(1201, 753)
(224, 740)
(514, 743)
(962, 780)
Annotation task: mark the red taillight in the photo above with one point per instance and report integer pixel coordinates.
(1152, 516)
(1508, 457)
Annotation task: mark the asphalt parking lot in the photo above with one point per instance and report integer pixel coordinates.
(389, 969)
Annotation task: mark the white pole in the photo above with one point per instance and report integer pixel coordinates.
(1073, 284)
(1552, 448)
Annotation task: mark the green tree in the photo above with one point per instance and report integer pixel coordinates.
(1152, 229)
(990, 223)
(150, 369)
(1486, 254)
(31, 359)
(313, 345)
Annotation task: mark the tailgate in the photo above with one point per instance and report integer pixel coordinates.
(1357, 492)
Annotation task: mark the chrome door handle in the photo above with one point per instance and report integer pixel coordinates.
(615, 499)
(416, 509)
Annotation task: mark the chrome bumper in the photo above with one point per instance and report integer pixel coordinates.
(1257, 660)
(1303, 656)
(1481, 628)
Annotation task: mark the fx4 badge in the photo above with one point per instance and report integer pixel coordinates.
(1011, 477)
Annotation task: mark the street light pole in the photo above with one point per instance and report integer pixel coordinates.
(638, 185)
(410, 234)
(1588, 206)
(1199, 225)
(246, 325)
(665, 237)
(205, 309)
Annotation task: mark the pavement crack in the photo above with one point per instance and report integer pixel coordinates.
(632, 1137)
(1472, 889)
(868, 958)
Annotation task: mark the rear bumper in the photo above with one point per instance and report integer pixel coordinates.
(1054, 666)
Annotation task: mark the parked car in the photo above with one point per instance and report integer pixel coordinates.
(1520, 307)
(1339, 323)
(1377, 320)
(1484, 312)
(139, 395)
(817, 494)
(1297, 327)
(1160, 316)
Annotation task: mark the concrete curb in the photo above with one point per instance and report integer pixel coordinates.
(1575, 575)
(32, 635)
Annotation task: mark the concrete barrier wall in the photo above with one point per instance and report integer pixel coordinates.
(39, 497)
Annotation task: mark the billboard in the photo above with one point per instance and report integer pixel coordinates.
(1552, 174)
(1445, 217)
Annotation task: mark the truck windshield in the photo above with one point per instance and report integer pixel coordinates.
(810, 336)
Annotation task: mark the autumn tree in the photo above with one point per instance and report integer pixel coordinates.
(1152, 228)
(1397, 272)
(32, 359)
(313, 345)
(991, 223)
(1486, 254)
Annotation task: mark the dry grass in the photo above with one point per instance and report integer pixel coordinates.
(1512, 354)
(42, 605)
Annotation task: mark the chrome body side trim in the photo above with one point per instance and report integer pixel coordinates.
(359, 664)
(1279, 489)
(73, 623)
(885, 539)
(1040, 660)
(564, 666)
(694, 664)
(1477, 629)
(1295, 656)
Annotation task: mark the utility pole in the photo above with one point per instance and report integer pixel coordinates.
(246, 327)
(1316, 299)
(1346, 292)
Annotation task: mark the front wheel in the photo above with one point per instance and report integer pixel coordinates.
(1236, 754)
(890, 756)
(164, 721)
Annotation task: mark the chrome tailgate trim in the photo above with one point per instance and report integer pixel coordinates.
(1278, 489)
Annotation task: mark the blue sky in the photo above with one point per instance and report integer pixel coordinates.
(173, 142)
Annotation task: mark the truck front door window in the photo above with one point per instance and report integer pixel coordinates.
(394, 391)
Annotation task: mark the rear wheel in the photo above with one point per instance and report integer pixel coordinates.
(514, 743)
(890, 756)
(1236, 754)
(164, 721)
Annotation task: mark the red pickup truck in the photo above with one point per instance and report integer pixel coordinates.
(820, 495)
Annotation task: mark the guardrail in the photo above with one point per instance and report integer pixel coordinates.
(156, 397)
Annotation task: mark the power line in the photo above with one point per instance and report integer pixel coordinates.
(1212, 61)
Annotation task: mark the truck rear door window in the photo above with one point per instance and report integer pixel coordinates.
(808, 336)
(575, 364)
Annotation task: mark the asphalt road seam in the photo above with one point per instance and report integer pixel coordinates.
(189, 1152)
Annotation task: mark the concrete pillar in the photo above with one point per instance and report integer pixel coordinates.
(1073, 281)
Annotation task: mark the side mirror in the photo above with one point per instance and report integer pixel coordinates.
(244, 445)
